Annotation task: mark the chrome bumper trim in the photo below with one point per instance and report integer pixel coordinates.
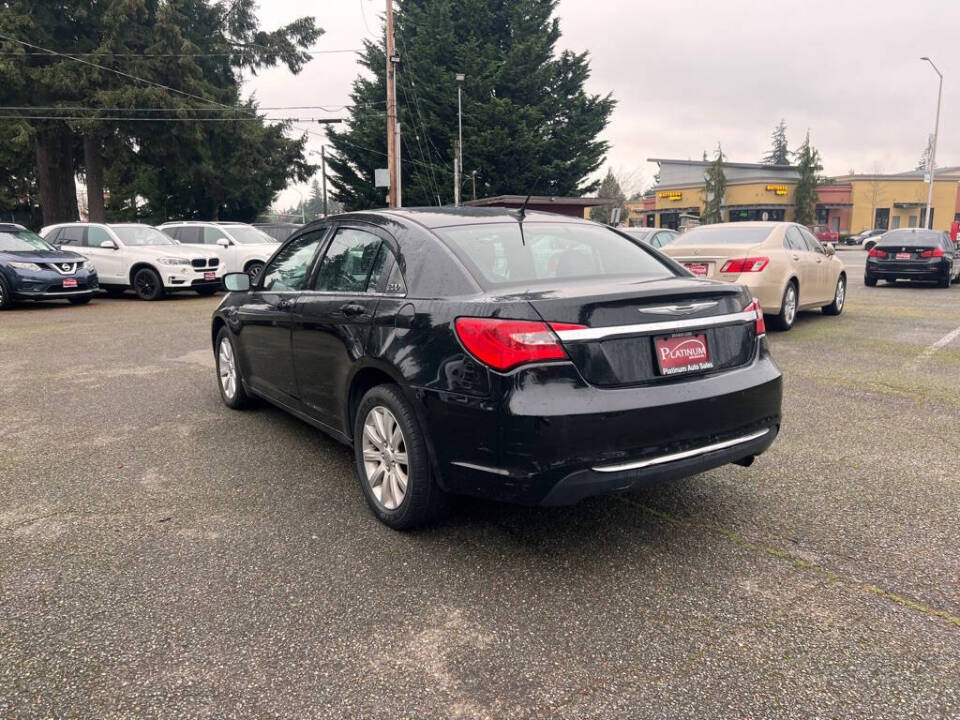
(599, 333)
(682, 455)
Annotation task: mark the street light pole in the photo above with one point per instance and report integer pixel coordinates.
(459, 154)
(933, 150)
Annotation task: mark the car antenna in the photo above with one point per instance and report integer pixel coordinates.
(521, 214)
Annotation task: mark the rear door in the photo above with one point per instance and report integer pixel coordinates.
(821, 266)
(332, 319)
(266, 318)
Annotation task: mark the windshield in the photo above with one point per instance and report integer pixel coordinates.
(135, 235)
(22, 241)
(727, 235)
(246, 235)
(497, 255)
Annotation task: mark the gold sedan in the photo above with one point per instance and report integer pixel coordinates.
(781, 263)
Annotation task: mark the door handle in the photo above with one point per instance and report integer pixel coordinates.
(796, 257)
(352, 309)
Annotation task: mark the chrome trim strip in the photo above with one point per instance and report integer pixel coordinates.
(599, 333)
(481, 468)
(681, 455)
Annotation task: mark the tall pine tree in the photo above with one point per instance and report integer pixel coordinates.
(714, 187)
(528, 124)
(609, 190)
(779, 153)
(805, 195)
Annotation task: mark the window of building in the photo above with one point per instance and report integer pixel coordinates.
(923, 216)
(895, 223)
(912, 221)
(881, 219)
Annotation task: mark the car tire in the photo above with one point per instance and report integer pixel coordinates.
(147, 284)
(386, 431)
(229, 379)
(6, 299)
(788, 308)
(206, 291)
(869, 281)
(253, 270)
(80, 300)
(945, 281)
(839, 297)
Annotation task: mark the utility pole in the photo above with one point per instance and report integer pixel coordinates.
(392, 61)
(456, 175)
(323, 175)
(933, 151)
(458, 161)
(399, 169)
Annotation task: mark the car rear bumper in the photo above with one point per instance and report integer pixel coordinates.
(553, 439)
(918, 269)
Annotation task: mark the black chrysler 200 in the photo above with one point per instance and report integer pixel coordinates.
(531, 358)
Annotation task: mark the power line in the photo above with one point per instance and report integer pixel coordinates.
(172, 55)
(118, 72)
(127, 118)
(90, 108)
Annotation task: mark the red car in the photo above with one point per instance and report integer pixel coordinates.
(824, 234)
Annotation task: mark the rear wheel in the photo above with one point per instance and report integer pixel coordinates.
(6, 299)
(839, 298)
(79, 300)
(147, 284)
(869, 281)
(788, 308)
(392, 461)
(228, 373)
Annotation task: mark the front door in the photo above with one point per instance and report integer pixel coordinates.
(824, 284)
(109, 262)
(332, 320)
(804, 265)
(266, 318)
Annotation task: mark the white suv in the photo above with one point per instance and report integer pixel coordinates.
(241, 247)
(139, 256)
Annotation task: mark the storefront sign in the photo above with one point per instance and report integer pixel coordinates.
(777, 189)
(670, 195)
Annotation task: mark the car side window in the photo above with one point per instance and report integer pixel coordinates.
(96, 236)
(291, 266)
(212, 234)
(348, 262)
(812, 243)
(386, 263)
(792, 240)
(173, 232)
(72, 235)
(395, 283)
(191, 235)
(53, 235)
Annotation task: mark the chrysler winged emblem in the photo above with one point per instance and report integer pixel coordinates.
(685, 309)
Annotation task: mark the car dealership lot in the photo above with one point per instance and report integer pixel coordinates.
(161, 555)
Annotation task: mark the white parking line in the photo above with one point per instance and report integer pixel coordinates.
(941, 343)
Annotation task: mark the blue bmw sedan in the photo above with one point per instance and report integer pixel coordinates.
(30, 269)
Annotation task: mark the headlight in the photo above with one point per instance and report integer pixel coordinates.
(173, 261)
(24, 266)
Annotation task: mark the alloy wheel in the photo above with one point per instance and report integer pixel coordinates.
(385, 457)
(227, 369)
(790, 304)
(254, 272)
(841, 294)
(144, 284)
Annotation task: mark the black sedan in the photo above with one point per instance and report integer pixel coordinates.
(30, 269)
(531, 358)
(913, 254)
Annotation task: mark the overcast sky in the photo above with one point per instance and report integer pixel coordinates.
(687, 74)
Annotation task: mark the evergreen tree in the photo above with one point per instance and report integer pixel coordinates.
(779, 153)
(714, 187)
(924, 162)
(528, 124)
(805, 195)
(609, 190)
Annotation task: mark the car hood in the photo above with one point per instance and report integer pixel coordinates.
(41, 256)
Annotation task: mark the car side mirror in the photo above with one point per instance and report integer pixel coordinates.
(223, 242)
(236, 282)
(831, 250)
(109, 245)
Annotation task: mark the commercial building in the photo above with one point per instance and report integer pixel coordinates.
(849, 204)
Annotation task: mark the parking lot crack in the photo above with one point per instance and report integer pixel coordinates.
(798, 562)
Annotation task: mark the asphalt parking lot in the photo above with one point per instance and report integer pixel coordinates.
(163, 556)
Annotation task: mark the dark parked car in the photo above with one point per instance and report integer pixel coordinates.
(30, 269)
(465, 351)
(655, 237)
(867, 239)
(278, 231)
(913, 254)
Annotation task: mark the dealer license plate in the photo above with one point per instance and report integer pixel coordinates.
(69, 282)
(682, 353)
(697, 268)
(904, 256)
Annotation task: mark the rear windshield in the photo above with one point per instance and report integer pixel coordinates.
(22, 241)
(910, 238)
(496, 254)
(725, 235)
(136, 235)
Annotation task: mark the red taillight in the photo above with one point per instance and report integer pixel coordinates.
(936, 252)
(875, 252)
(504, 344)
(741, 265)
(761, 326)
